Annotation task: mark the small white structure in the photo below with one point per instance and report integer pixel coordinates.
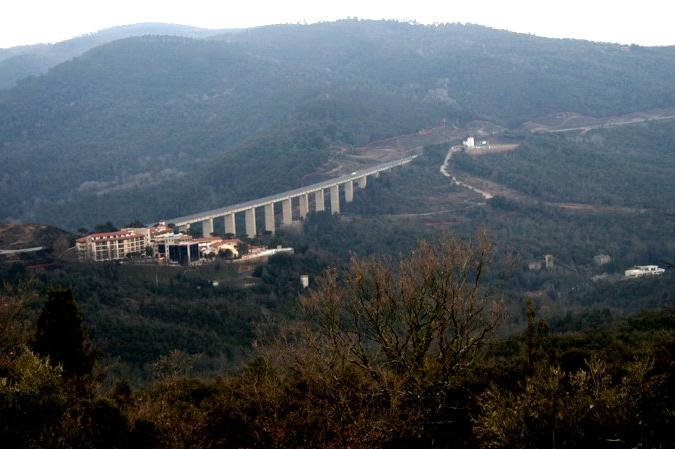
(644, 270)
(534, 266)
(469, 143)
(549, 261)
(304, 280)
(602, 259)
(599, 277)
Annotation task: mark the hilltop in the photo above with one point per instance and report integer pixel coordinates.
(19, 236)
(159, 126)
(20, 62)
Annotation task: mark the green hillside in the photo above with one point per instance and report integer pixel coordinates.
(631, 166)
(150, 127)
(499, 75)
(20, 62)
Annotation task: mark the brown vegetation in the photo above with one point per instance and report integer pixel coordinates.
(385, 356)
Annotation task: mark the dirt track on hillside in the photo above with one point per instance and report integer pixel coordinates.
(570, 121)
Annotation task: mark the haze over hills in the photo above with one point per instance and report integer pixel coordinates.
(149, 127)
(19, 62)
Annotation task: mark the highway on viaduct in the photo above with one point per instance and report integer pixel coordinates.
(227, 213)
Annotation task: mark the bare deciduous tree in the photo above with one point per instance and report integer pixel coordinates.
(382, 345)
(414, 324)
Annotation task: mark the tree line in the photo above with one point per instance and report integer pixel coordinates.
(383, 354)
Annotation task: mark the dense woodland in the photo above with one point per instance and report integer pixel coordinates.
(137, 314)
(379, 354)
(132, 119)
(423, 325)
(629, 166)
(21, 62)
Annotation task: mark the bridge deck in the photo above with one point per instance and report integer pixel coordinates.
(240, 207)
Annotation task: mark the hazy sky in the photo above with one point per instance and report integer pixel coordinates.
(646, 22)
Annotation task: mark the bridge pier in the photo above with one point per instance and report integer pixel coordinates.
(349, 191)
(287, 211)
(319, 202)
(230, 227)
(269, 217)
(335, 199)
(250, 222)
(228, 213)
(304, 205)
(207, 227)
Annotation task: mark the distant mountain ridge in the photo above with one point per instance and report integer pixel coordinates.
(159, 126)
(19, 62)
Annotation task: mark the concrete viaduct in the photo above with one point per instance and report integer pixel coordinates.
(286, 199)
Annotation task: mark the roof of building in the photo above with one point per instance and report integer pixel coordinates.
(231, 241)
(160, 229)
(207, 239)
(184, 243)
(117, 235)
(644, 267)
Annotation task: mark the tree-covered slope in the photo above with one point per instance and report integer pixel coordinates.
(630, 166)
(20, 62)
(134, 112)
(156, 126)
(504, 76)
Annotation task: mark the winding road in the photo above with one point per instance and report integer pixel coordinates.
(444, 171)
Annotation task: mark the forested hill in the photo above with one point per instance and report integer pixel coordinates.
(27, 60)
(152, 126)
(500, 75)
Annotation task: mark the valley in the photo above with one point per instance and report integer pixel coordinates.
(359, 233)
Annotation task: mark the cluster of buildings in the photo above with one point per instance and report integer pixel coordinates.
(548, 263)
(160, 243)
(601, 260)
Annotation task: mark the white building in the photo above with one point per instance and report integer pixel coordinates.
(469, 143)
(107, 246)
(643, 270)
(534, 266)
(216, 245)
(549, 261)
(602, 259)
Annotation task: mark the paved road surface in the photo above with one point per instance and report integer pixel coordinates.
(193, 218)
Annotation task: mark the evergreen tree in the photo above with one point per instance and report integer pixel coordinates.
(60, 334)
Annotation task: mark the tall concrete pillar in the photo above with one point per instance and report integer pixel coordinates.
(362, 182)
(335, 199)
(269, 217)
(287, 211)
(349, 191)
(250, 222)
(230, 227)
(319, 203)
(207, 227)
(304, 205)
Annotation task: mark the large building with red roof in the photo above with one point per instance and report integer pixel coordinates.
(107, 246)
